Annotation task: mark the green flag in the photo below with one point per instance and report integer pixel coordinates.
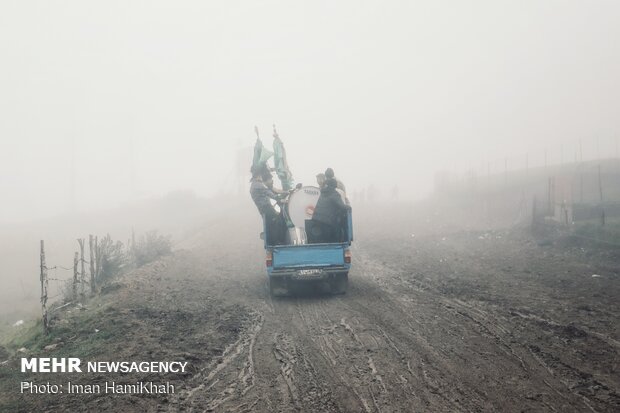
(261, 154)
(280, 163)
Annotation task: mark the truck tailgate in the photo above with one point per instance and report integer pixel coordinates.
(309, 255)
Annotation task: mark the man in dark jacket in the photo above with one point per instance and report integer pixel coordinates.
(261, 194)
(329, 213)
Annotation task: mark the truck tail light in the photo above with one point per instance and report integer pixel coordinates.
(347, 256)
(269, 259)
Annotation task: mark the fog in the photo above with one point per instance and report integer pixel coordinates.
(109, 107)
(110, 102)
(465, 133)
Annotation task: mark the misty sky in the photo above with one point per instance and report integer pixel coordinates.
(142, 97)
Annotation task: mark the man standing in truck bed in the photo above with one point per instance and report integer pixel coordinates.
(261, 195)
(340, 188)
(329, 213)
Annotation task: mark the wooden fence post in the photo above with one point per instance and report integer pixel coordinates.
(75, 276)
(132, 250)
(83, 272)
(97, 259)
(44, 284)
(92, 263)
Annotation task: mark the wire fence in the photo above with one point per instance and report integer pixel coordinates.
(91, 269)
(75, 288)
(574, 152)
(567, 194)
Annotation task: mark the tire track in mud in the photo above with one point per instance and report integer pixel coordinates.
(396, 342)
(433, 362)
(400, 334)
(402, 349)
(576, 390)
(305, 358)
(284, 353)
(336, 343)
(330, 354)
(320, 354)
(228, 376)
(361, 355)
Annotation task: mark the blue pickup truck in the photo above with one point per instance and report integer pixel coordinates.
(300, 266)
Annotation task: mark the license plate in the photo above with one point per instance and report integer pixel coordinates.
(309, 273)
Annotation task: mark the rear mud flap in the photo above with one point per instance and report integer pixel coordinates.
(339, 284)
(278, 287)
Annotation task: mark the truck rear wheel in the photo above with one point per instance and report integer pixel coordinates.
(339, 283)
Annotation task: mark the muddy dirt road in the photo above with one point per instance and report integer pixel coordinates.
(436, 319)
(452, 321)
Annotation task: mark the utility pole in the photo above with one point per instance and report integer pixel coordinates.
(527, 162)
(73, 198)
(549, 189)
(488, 174)
(600, 183)
(132, 167)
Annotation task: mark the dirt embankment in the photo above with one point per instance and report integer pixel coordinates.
(436, 319)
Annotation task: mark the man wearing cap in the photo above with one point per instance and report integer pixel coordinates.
(329, 174)
(329, 213)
